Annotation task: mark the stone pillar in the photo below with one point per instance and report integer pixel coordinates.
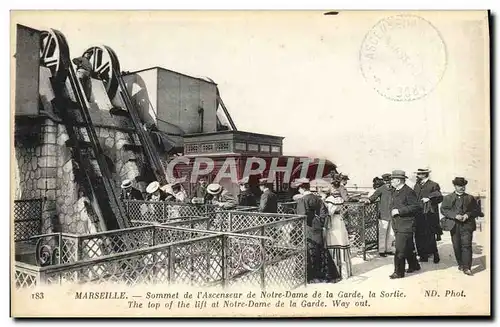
(47, 167)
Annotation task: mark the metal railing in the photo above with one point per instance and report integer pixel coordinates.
(270, 254)
(361, 222)
(163, 211)
(27, 218)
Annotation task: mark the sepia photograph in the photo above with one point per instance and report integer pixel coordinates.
(250, 163)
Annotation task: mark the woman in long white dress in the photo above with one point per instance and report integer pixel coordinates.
(336, 237)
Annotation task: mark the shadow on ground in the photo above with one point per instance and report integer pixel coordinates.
(447, 261)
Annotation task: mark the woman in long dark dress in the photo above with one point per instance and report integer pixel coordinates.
(320, 265)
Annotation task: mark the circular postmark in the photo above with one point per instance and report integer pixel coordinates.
(403, 57)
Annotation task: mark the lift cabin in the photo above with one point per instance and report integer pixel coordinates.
(191, 120)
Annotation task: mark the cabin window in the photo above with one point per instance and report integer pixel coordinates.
(240, 146)
(191, 148)
(264, 148)
(209, 147)
(222, 146)
(275, 149)
(253, 147)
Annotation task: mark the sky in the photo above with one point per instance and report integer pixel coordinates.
(299, 75)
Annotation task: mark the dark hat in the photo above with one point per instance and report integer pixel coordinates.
(345, 177)
(264, 181)
(243, 181)
(175, 183)
(398, 174)
(459, 181)
(376, 179)
(336, 178)
(300, 181)
(423, 171)
(386, 176)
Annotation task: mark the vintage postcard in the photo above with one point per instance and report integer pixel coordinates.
(250, 163)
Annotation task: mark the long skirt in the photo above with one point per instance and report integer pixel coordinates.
(337, 243)
(320, 264)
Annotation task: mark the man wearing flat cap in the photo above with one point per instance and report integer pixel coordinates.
(268, 199)
(404, 208)
(320, 265)
(460, 211)
(246, 198)
(129, 192)
(428, 230)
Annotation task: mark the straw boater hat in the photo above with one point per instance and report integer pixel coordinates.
(459, 181)
(398, 174)
(126, 184)
(214, 189)
(152, 187)
(423, 171)
(167, 188)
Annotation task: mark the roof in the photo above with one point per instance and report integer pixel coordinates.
(168, 70)
(233, 132)
(28, 28)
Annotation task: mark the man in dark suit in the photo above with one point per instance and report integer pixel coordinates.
(268, 199)
(404, 206)
(460, 211)
(428, 229)
(201, 190)
(246, 198)
(129, 192)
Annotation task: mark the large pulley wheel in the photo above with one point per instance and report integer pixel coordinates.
(54, 54)
(105, 66)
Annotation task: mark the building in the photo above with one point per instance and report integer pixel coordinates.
(72, 153)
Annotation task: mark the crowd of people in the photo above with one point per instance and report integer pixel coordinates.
(215, 194)
(409, 221)
(410, 224)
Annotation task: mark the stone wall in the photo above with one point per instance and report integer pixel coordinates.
(47, 169)
(36, 157)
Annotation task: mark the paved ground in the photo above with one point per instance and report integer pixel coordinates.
(379, 269)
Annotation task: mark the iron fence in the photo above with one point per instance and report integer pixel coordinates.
(162, 211)
(189, 256)
(27, 218)
(361, 222)
(63, 248)
(361, 219)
